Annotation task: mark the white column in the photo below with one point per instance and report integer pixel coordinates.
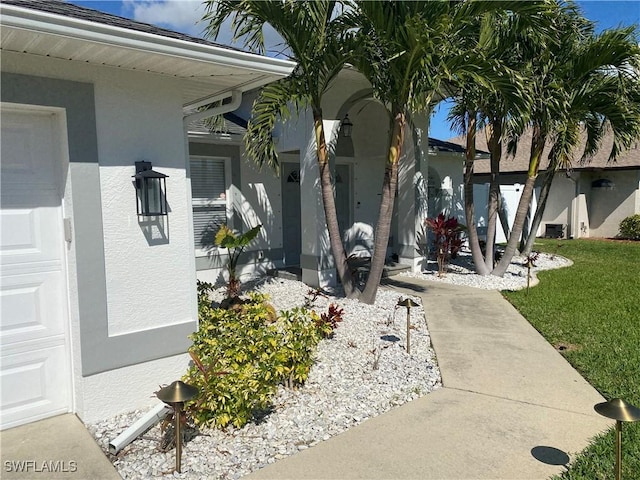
(316, 261)
(412, 199)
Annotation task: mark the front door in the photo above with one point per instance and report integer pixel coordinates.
(35, 370)
(291, 234)
(343, 197)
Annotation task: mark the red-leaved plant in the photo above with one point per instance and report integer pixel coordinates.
(447, 239)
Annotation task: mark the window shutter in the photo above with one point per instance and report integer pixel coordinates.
(207, 179)
(208, 189)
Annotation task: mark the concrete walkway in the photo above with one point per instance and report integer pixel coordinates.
(56, 448)
(511, 407)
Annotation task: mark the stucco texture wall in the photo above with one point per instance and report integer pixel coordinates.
(607, 208)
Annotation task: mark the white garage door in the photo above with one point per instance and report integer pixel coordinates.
(35, 365)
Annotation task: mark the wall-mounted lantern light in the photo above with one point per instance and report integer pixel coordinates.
(346, 127)
(603, 183)
(151, 187)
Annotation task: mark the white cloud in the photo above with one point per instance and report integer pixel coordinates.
(179, 15)
(185, 16)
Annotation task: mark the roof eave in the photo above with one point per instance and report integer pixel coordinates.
(43, 22)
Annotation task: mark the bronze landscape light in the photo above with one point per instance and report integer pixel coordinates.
(407, 302)
(175, 395)
(620, 411)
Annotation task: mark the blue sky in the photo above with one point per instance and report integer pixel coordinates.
(183, 16)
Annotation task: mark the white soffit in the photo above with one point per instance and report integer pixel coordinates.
(206, 69)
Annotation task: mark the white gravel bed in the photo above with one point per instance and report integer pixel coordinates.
(461, 272)
(360, 373)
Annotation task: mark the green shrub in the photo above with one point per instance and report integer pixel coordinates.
(240, 356)
(630, 227)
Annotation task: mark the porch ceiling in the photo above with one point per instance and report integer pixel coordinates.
(205, 69)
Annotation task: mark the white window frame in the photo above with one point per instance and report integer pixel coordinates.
(227, 202)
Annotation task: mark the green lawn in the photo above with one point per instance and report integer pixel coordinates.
(593, 308)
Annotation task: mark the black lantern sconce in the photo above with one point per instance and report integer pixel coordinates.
(346, 126)
(151, 187)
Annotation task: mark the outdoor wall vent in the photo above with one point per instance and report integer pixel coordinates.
(603, 183)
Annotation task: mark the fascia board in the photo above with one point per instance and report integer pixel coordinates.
(43, 22)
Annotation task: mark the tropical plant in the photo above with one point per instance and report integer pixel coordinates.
(561, 72)
(240, 356)
(235, 245)
(630, 227)
(447, 240)
(314, 36)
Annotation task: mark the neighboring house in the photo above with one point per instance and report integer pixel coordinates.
(97, 302)
(589, 200)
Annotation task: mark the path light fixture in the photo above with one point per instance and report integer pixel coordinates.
(151, 188)
(175, 395)
(620, 411)
(407, 302)
(346, 126)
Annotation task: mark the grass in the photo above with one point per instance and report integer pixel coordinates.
(593, 308)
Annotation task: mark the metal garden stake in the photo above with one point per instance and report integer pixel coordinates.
(175, 395)
(407, 302)
(620, 411)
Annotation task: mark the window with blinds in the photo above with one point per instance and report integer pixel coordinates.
(209, 202)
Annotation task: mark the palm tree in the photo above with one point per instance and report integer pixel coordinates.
(547, 64)
(411, 52)
(314, 35)
(604, 96)
(496, 113)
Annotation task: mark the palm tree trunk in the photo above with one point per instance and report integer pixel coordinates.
(502, 214)
(383, 226)
(472, 232)
(495, 149)
(331, 216)
(537, 146)
(542, 203)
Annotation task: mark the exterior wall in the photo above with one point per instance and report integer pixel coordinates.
(131, 282)
(607, 208)
(560, 204)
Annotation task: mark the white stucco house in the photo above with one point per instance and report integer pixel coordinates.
(97, 300)
(590, 200)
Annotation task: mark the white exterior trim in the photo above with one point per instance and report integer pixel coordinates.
(43, 22)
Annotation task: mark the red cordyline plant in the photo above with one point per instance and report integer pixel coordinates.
(447, 239)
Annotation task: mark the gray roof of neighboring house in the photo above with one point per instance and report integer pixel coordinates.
(60, 7)
(520, 163)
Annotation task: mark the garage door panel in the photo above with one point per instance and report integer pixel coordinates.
(31, 385)
(26, 142)
(29, 234)
(32, 306)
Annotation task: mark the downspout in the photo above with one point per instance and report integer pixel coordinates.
(236, 100)
(574, 208)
